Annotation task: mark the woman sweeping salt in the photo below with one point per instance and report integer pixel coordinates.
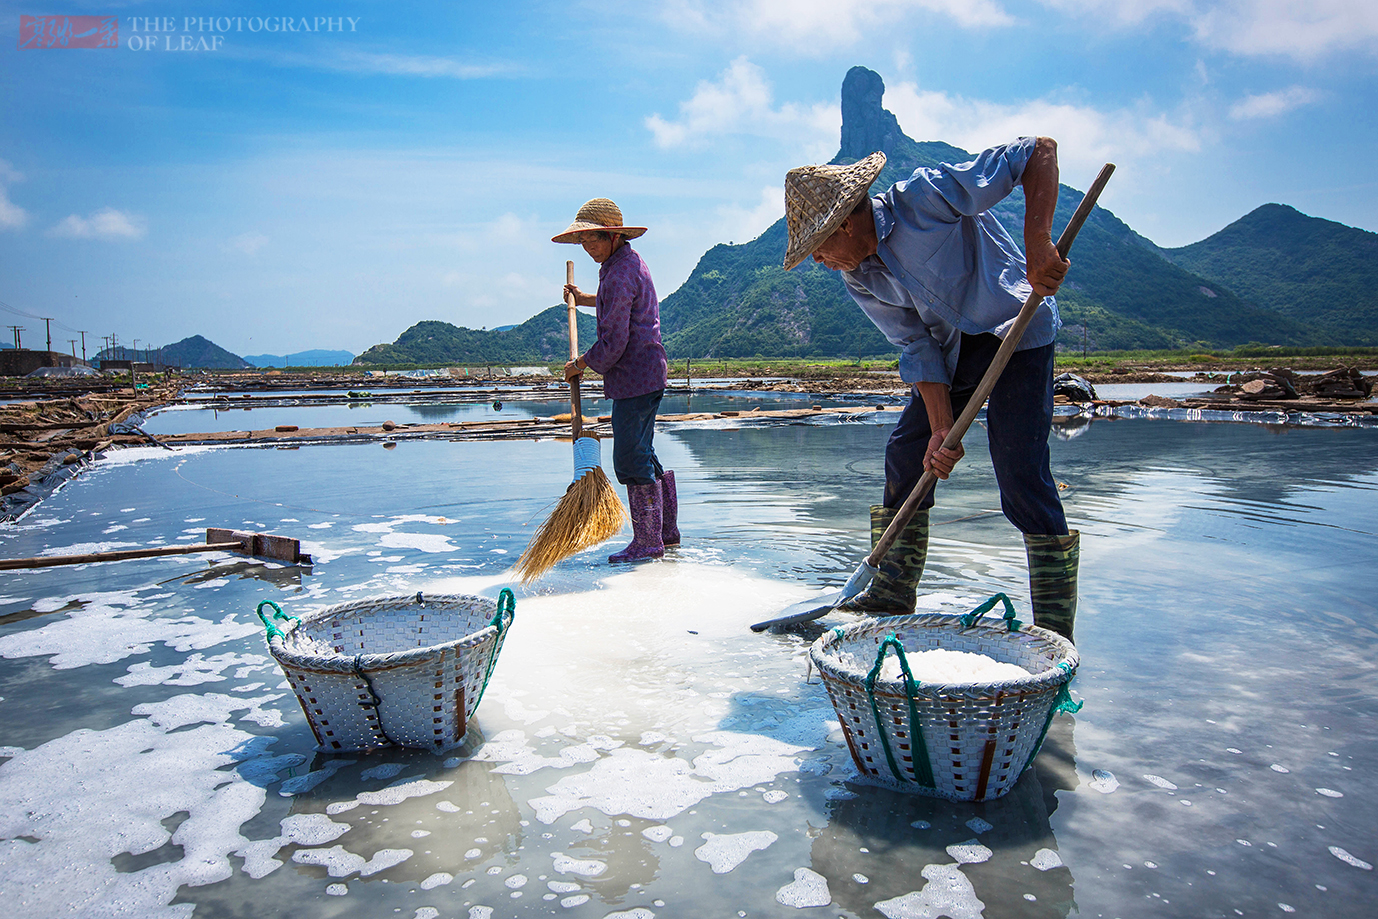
(631, 359)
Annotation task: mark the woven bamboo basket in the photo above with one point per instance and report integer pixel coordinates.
(405, 671)
(962, 741)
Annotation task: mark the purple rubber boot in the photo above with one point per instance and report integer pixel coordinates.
(644, 502)
(669, 526)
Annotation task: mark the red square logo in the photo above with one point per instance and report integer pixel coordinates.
(69, 32)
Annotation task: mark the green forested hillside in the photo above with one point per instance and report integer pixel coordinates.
(543, 338)
(1322, 273)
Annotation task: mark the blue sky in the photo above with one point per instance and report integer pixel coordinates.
(288, 190)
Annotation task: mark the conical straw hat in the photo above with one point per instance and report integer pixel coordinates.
(599, 214)
(819, 198)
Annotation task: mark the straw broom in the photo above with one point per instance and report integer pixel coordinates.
(589, 512)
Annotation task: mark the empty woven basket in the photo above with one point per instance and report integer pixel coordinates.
(963, 741)
(405, 671)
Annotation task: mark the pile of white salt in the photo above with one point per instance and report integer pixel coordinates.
(942, 666)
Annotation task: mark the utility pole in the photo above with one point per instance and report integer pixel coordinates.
(83, 343)
(74, 346)
(16, 329)
(48, 321)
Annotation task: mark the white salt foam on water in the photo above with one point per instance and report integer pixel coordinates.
(400, 791)
(1046, 860)
(724, 852)
(639, 783)
(808, 889)
(948, 893)
(339, 862)
(193, 671)
(970, 852)
(1160, 782)
(213, 707)
(586, 867)
(1348, 859)
(91, 794)
(107, 627)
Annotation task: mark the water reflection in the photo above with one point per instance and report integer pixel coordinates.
(1226, 633)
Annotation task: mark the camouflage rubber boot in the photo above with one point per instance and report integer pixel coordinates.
(1053, 580)
(892, 591)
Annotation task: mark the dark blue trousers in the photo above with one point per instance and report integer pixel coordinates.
(1018, 418)
(634, 460)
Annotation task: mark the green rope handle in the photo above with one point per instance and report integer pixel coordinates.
(507, 606)
(923, 767)
(1062, 702)
(273, 630)
(1011, 623)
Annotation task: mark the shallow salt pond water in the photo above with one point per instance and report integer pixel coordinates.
(639, 752)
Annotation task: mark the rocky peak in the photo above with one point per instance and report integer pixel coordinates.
(866, 126)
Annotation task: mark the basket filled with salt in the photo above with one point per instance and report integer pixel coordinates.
(948, 706)
(405, 671)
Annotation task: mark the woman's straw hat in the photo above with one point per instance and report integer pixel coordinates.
(598, 214)
(819, 198)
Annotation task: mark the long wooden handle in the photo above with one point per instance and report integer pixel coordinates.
(51, 561)
(991, 376)
(576, 409)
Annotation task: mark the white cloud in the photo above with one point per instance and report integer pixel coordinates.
(12, 216)
(106, 223)
(247, 243)
(368, 62)
(741, 224)
(415, 65)
(1270, 105)
(1305, 30)
(1086, 137)
(820, 26)
(740, 102)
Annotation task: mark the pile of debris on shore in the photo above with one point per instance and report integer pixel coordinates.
(1282, 383)
(44, 443)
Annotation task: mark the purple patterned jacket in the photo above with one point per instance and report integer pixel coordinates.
(628, 352)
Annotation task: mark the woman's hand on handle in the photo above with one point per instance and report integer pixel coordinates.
(580, 298)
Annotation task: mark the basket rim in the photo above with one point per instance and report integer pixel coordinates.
(345, 663)
(830, 668)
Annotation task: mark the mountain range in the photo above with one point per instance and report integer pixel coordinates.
(1275, 276)
(313, 358)
(189, 353)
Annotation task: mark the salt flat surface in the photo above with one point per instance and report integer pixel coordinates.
(635, 738)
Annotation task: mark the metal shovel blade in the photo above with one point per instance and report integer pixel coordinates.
(816, 607)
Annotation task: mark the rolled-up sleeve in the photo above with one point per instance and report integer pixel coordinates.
(615, 298)
(951, 192)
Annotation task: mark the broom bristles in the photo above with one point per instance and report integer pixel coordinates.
(589, 513)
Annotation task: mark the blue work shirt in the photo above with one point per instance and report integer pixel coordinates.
(943, 266)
